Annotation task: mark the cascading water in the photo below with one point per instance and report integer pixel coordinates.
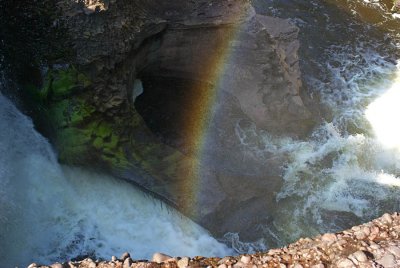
(53, 213)
(347, 171)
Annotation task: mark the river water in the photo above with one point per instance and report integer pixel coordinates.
(79, 212)
(346, 172)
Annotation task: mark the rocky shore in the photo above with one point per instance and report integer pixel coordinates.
(373, 244)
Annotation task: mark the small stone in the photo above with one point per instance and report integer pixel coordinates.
(388, 261)
(374, 230)
(124, 256)
(239, 264)
(71, 265)
(160, 257)
(366, 231)
(245, 259)
(32, 265)
(297, 265)
(320, 265)
(360, 256)
(360, 235)
(223, 260)
(113, 258)
(328, 237)
(345, 263)
(183, 263)
(91, 264)
(266, 258)
(387, 218)
(394, 250)
(384, 235)
(374, 246)
(223, 266)
(281, 265)
(56, 265)
(127, 263)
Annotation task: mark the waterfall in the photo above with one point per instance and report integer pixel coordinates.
(54, 213)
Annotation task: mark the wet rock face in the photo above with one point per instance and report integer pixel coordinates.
(260, 84)
(182, 52)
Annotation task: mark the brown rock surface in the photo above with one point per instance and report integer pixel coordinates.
(184, 52)
(345, 250)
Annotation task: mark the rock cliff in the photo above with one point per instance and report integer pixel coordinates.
(155, 94)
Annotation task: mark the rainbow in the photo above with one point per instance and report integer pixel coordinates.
(202, 107)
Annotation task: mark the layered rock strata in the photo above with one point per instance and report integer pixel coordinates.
(373, 244)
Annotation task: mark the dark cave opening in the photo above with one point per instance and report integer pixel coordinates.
(167, 105)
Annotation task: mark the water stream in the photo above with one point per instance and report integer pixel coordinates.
(79, 212)
(347, 171)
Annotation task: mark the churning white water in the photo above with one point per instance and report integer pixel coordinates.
(52, 213)
(348, 170)
(383, 115)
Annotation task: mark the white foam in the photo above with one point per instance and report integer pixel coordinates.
(51, 213)
(383, 115)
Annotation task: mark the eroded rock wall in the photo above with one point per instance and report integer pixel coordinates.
(85, 103)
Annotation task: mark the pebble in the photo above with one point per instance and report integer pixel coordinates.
(329, 237)
(381, 249)
(124, 256)
(394, 250)
(183, 263)
(360, 256)
(245, 259)
(345, 263)
(127, 262)
(388, 261)
(160, 257)
(360, 235)
(239, 264)
(387, 218)
(366, 231)
(223, 260)
(56, 265)
(32, 265)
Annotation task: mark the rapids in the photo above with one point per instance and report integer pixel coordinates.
(346, 172)
(51, 213)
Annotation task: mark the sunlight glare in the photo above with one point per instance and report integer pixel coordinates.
(384, 115)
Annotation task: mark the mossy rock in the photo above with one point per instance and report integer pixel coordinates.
(82, 135)
(396, 6)
(62, 83)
